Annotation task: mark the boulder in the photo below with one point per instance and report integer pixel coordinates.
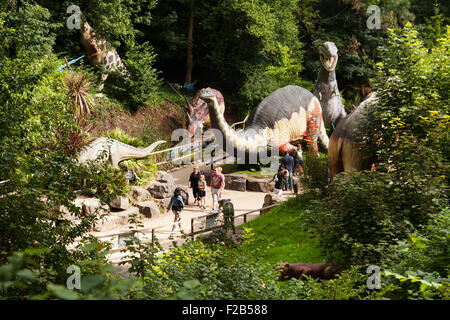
(108, 223)
(148, 208)
(126, 214)
(164, 177)
(260, 185)
(121, 203)
(162, 202)
(140, 193)
(236, 182)
(91, 205)
(161, 190)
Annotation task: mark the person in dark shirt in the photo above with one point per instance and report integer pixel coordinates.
(193, 183)
(288, 163)
(278, 178)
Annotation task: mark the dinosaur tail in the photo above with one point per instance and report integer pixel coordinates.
(125, 152)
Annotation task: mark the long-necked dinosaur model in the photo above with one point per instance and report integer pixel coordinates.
(107, 149)
(326, 88)
(197, 111)
(343, 150)
(289, 114)
(97, 53)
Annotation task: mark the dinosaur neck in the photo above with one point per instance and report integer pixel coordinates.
(326, 76)
(245, 140)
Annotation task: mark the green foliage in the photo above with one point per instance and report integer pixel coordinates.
(122, 136)
(362, 211)
(216, 273)
(140, 84)
(315, 177)
(398, 215)
(39, 174)
(281, 235)
(145, 168)
(26, 30)
(349, 285)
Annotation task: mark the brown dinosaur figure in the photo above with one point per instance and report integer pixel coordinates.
(98, 54)
(343, 149)
(324, 270)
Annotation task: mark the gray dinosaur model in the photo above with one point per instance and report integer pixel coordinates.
(104, 149)
(285, 117)
(326, 88)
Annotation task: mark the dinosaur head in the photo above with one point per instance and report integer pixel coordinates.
(328, 55)
(207, 94)
(197, 110)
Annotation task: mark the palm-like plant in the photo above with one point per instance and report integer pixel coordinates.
(79, 94)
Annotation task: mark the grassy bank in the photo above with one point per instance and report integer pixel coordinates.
(280, 236)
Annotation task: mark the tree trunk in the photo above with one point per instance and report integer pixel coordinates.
(190, 57)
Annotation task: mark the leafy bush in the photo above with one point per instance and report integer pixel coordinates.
(39, 175)
(406, 129)
(315, 177)
(139, 84)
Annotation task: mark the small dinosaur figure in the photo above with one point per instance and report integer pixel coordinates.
(326, 88)
(107, 149)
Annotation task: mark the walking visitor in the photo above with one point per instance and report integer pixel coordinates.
(193, 183)
(288, 163)
(176, 204)
(217, 186)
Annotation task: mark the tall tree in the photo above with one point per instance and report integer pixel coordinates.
(190, 58)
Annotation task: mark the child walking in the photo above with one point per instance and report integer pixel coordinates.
(202, 191)
(176, 204)
(279, 178)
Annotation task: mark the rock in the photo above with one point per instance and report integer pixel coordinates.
(184, 194)
(91, 205)
(148, 208)
(270, 199)
(236, 182)
(140, 194)
(162, 202)
(108, 223)
(161, 190)
(260, 185)
(126, 214)
(121, 203)
(164, 177)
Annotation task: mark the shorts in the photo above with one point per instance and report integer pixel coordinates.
(201, 193)
(216, 194)
(177, 209)
(278, 192)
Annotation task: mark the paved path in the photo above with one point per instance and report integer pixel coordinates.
(242, 201)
